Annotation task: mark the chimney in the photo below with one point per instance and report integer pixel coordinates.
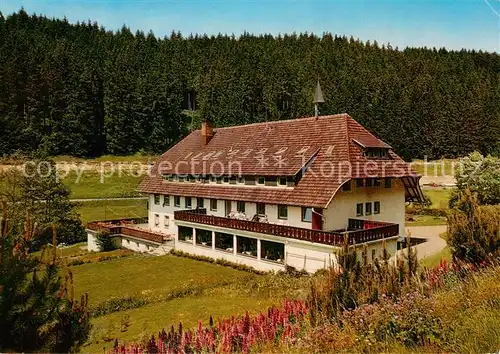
(207, 132)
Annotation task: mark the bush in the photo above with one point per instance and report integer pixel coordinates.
(104, 241)
(37, 310)
(118, 304)
(481, 175)
(408, 320)
(473, 230)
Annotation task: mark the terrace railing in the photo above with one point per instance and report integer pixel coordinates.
(124, 228)
(199, 216)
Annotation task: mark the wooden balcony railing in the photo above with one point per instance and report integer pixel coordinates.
(124, 228)
(199, 216)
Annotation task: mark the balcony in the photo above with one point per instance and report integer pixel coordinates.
(359, 231)
(128, 227)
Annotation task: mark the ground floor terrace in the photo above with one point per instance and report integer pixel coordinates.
(264, 246)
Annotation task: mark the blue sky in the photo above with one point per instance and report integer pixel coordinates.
(454, 24)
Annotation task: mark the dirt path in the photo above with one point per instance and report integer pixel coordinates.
(434, 243)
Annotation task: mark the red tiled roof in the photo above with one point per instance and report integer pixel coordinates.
(279, 148)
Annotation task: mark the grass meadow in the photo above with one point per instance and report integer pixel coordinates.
(94, 184)
(111, 209)
(175, 289)
(168, 290)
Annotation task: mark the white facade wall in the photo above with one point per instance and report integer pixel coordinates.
(137, 245)
(299, 254)
(91, 241)
(343, 206)
(294, 213)
(260, 264)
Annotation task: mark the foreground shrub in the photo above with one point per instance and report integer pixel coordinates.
(37, 309)
(354, 283)
(473, 230)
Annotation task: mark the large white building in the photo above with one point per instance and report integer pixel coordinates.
(278, 193)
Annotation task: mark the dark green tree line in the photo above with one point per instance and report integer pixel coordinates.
(77, 89)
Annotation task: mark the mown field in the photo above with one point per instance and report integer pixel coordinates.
(111, 209)
(94, 184)
(166, 290)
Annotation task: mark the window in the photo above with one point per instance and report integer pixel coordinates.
(282, 181)
(376, 153)
(359, 182)
(177, 201)
(224, 242)
(213, 179)
(200, 203)
(157, 199)
(261, 180)
(359, 209)
(282, 212)
(185, 234)
(261, 208)
(166, 221)
(190, 178)
(388, 183)
(187, 202)
(157, 220)
(225, 179)
(374, 254)
(346, 186)
(368, 208)
(272, 251)
(240, 206)
(376, 208)
(369, 182)
(213, 204)
(306, 214)
(204, 237)
(246, 246)
(376, 182)
(241, 180)
(166, 200)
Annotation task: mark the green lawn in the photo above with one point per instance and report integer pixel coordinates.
(73, 250)
(154, 276)
(219, 303)
(93, 184)
(218, 291)
(439, 197)
(111, 209)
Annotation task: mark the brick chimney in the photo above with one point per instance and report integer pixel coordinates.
(207, 132)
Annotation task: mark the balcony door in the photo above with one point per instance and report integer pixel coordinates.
(227, 207)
